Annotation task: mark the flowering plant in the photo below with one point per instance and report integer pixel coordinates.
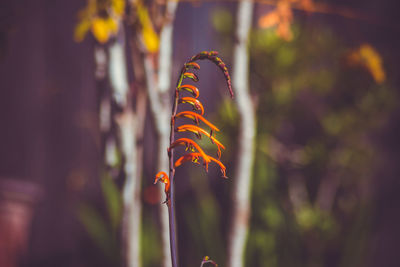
(196, 154)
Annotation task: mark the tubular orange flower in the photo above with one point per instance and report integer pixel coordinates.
(191, 65)
(196, 117)
(191, 76)
(221, 166)
(194, 102)
(198, 131)
(190, 144)
(163, 177)
(190, 88)
(194, 157)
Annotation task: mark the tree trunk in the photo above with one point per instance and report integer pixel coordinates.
(160, 105)
(247, 130)
(130, 127)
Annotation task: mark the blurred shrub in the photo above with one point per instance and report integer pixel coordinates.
(319, 103)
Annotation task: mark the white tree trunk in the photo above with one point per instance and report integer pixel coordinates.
(247, 129)
(127, 123)
(160, 106)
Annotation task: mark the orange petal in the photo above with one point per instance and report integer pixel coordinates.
(192, 65)
(190, 88)
(193, 157)
(221, 166)
(163, 177)
(194, 102)
(196, 156)
(188, 143)
(196, 117)
(198, 131)
(269, 20)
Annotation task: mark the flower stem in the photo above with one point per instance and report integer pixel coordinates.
(171, 203)
(172, 226)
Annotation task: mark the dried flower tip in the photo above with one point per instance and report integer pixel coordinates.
(221, 166)
(196, 117)
(194, 102)
(212, 56)
(191, 89)
(204, 55)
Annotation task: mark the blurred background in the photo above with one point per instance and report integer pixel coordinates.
(311, 137)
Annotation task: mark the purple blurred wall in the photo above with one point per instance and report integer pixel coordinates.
(48, 114)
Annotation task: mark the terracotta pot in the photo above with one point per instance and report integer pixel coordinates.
(17, 200)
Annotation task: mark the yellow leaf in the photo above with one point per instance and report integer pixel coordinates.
(81, 30)
(112, 25)
(373, 62)
(100, 29)
(104, 28)
(370, 59)
(150, 37)
(118, 6)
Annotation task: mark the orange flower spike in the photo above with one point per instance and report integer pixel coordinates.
(188, 143)
(198, 131)
(163, 177)
(193, 157)
(191, 89)
(194, 102)
(196, 117)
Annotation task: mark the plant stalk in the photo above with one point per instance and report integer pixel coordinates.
(171, 203)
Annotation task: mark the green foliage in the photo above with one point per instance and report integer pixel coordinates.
(104, 232)
(222, 20)
(151, 251)
(112, 197)
(99, 231)
(202, 219)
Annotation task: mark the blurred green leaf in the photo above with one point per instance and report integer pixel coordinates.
(222, 20)
(150, 246)
(273, 216)
(113, 201)
(97, 229)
